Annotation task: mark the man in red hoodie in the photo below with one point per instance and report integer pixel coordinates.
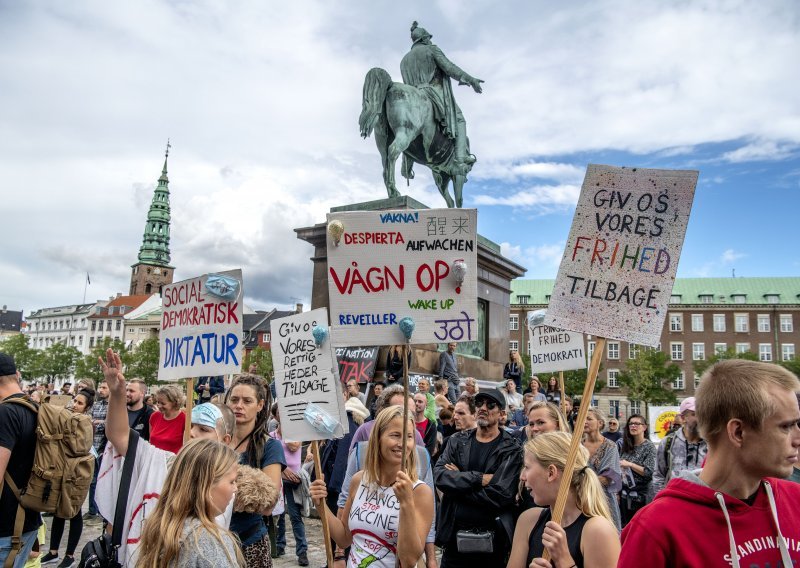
(732, 512)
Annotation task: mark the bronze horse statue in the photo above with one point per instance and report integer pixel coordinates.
(402, 117)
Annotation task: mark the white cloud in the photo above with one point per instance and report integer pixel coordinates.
(545, 197)
(541, 261)
(769, 150)
(730, 255)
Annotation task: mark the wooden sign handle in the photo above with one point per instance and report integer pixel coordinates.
(326, 531)
(577, 435)
(187, 430)
(405, 406)
(563, 395)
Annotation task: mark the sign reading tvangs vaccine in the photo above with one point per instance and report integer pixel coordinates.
(201, 327)
(384, 266)
(619, 264)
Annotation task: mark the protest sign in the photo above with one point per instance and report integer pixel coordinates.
(357, 363)
(619, 264)
(553, 349)
(661, 420)
(305, 374)
(384, 266)
(201, 327)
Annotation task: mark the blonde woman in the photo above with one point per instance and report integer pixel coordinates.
(546, 417)
(604, 460)
(586, 535)
(388, 512)
(167, 425)
(514, 369)
(181, 531)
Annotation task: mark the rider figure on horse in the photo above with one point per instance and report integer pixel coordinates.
(427, 68)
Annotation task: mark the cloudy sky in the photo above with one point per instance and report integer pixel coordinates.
(261, 100)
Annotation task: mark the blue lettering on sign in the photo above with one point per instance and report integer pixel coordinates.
(191, 350)
(367, 319)
(400, 217)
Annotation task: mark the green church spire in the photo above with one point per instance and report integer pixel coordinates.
(155, 246)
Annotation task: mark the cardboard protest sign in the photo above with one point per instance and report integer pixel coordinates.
(619, 265)
(306, 374)
(661, 420)
(553, 349)
(357, 363)
(384, 266)
(201, 327)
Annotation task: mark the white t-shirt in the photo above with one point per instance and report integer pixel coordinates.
(149, 473)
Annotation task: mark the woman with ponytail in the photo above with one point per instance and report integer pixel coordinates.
(586, 536)
(251, 402)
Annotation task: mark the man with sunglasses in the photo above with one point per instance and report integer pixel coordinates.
(477, 475)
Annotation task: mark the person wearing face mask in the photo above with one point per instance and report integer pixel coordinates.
(151, 465)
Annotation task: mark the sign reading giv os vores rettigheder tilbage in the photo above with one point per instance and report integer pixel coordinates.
(306, 373)
(619, 264)
(384, 266)
(201, 327)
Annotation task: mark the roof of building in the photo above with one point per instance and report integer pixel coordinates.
(128, 302)
(62, 310)
(10, 320)
(690, 290)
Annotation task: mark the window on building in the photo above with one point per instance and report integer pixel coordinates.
(763, 322)
(706, 298)
(612, 378)
(613, 408)
(787, 326)
(633, 350)
(697, 322)
(60, 324)
(696, 380)
(676, 322)
(613, 350)
(740, 323)
(119, 325)
(772, 298)
(698, 351)
(675, 299)
(676, 350)
(636, 407)
(108, 325)
(679, 383)
(739, 298)
(590, 350)
(513, 322)
(72, 340)
(91, 342)
(742, 348)
(720, 348)
(80, 340)
(719, 322)
(765, 352)
(513, 345)
(94, 325)
(41, 341)
(523, 299)
(787, 352)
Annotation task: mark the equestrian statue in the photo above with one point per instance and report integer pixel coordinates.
(419, 118)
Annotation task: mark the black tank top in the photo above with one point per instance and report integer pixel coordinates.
(574, 532)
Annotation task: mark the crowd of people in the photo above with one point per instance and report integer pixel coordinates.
(475, 481)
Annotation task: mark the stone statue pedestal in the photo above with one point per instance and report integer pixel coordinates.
(495, 273)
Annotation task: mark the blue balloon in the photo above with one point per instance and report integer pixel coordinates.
(407, 327)
(320, 333)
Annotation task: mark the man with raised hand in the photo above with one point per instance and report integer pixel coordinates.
(738, 510)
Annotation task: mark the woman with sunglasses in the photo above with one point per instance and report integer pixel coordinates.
(637, 460)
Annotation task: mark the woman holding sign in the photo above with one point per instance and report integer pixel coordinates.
(388, 512)
(586, 535)
(250, 401)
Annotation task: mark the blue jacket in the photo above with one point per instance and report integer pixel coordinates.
(217, 385)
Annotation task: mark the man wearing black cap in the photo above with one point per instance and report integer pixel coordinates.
(17, 446)
(478, 475)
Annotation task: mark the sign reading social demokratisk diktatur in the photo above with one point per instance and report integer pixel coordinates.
(619, 264)
(553, 349)
(394, 264)
(305, 373)
(201, 327)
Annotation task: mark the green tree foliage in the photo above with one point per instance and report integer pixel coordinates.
(88, 367)
(792, 365)
(24, 355)
(648, 378)
(143, 361)
(575, 381)
(56, 362)
(262, 358)
(730, 353)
